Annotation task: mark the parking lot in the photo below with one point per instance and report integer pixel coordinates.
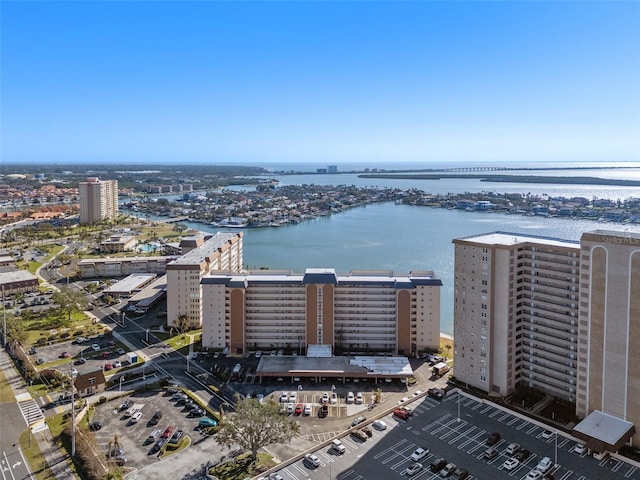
(462, 440)
(134, 437)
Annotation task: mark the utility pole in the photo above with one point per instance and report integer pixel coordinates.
(4, 320)
(73, 410)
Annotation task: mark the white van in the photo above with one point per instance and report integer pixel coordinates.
(153, 436)
(338, 447)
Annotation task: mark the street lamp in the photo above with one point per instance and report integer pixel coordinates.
(73, 410)
(121, 379)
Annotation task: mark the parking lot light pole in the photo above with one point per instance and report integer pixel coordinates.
(556, 448)
(458, 404)
(121, 379)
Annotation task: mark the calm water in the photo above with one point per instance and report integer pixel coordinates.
(403, 238)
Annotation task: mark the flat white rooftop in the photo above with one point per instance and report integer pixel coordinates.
(339, 366)
(509, 239)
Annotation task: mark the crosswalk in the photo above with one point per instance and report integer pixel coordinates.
(31, 412)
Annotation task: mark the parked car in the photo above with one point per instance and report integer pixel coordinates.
(358, 420)
(307, 409)
(510, 464)
(119, 351)
(360, 435)
(547, 434)
(95, 426)
(207, 422)
(544, 464)
(337, 446)
(135, 418)
(448, 469)
(156, 418)
(168, 431)
(460, 473)
(418, 454)
(379, 425)
(350, 397)
(522, 455)
(533, 475)
(403, 413)
(412, 469)
(175, 438)
(312, 460)
(490, 453)
(512, 448)
(95, 347)
(580, 448)
(359, 398)
(299, 409)
(81, 361)
(196, 412)
(153, 436)
(65, 355)
(367, 431)
(438, 464)
(159, 444)
(117, 364)
(493, 438)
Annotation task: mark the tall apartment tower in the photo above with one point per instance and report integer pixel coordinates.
(609, 346)
(98, 200)
(516, 313)
(359, 311)
(201, 255)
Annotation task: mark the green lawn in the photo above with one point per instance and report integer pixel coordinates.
(6, 394)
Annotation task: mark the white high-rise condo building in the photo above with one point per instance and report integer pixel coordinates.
(98, 200)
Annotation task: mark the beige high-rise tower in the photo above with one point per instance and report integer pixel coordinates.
(98, 200)
(609, 346)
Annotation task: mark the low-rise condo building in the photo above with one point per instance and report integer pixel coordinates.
(359, 311)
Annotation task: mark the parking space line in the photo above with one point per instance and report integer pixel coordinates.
(512, 421)
(437, 422)
(391, 448)
(532, 429)
(630, 472)
(491, 415)
(477, 406)
(487, 409)
(616, 466)
(522, 425)
(452, 431)
(463, 434)
(567, 475)
(399, 453)
(479, 444)
(299, 468)
(506, 415)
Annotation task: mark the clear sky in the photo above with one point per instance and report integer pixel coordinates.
(328, 82)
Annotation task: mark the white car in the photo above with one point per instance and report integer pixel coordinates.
(412, 469)
(325, 398)
(291, 408)
(547, 434)
(379, 425)
(512, 449)
(135, 418)
(533, 475)
(307, 409)
(95, 347)
(359, 398)
(418, 454)
(580, 448)
(510, 464)
(117, 364)
(350, 397)
(284, 398)
(292, 397)
(544, 465)
(334, 398)
(312, 460)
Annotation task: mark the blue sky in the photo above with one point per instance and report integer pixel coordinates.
(327, 82)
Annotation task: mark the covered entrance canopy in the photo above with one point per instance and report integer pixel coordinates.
(602, 431)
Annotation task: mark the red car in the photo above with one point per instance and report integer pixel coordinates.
(299, 409)
(64, 355)
(108, 366)
(167, 432)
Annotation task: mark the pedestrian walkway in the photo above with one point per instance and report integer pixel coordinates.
(52, 455)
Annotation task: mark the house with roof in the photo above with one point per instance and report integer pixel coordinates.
(90, 383)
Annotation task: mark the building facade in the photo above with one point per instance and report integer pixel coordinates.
(609, 337)
(359, 311)
(201, 256)
(516, 313)
(98, 200)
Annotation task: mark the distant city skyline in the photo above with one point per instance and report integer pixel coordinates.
(324, 83)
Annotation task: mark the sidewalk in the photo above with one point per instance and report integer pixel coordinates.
(52, 455)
